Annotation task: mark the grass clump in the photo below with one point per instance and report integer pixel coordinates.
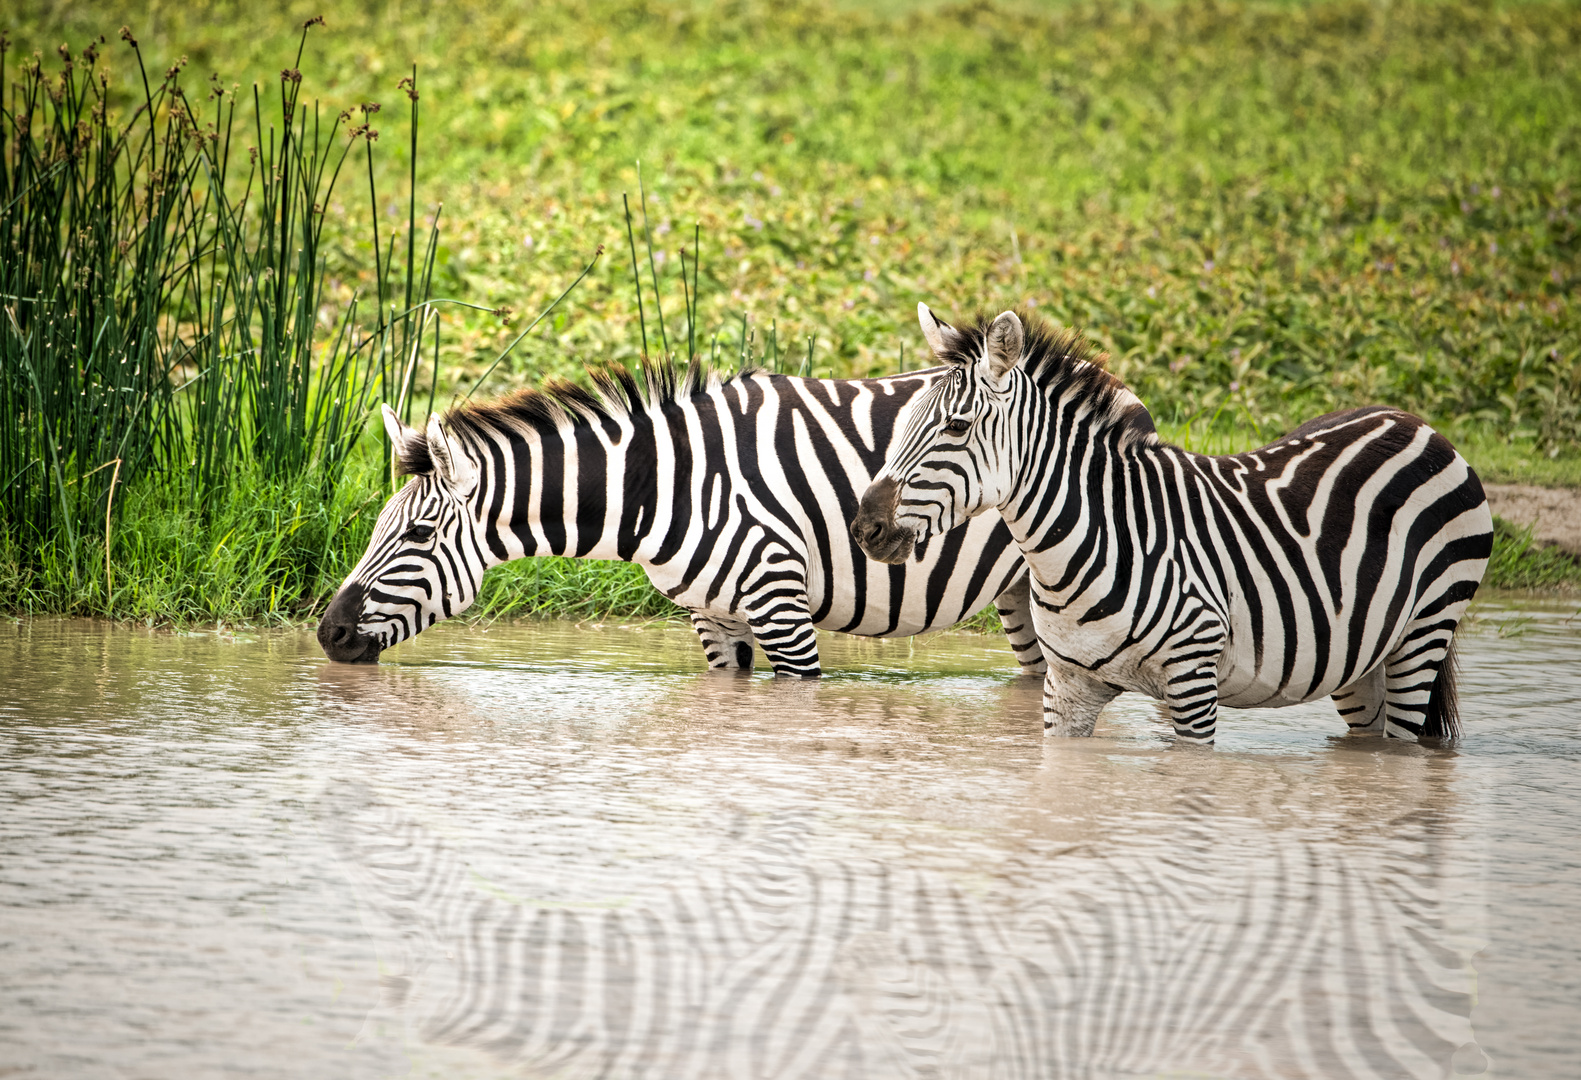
(1518, 562)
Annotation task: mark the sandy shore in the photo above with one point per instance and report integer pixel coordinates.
(1553, 513)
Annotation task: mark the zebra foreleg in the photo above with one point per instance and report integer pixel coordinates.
(726, 642)
(1072, 700)
(1015, 613)
(1361, 704)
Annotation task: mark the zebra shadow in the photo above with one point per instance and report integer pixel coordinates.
(1262, 928)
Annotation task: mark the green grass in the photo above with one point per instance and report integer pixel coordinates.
(1518, 563)
(1261, 211)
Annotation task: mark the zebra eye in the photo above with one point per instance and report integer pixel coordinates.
(958, 426)
(420, 534)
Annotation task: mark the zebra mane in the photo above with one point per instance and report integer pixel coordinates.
(618, 393)
(1061, 362)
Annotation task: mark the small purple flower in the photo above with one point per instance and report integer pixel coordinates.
(1208, 265)
(801, 264)
(1152, 292)
(1465, 207)
(868, 275)
(750, 220)
(527, 242)
(1454, 267)
(1495, 192)
(849, 304)
(1234, 385)
(1493, 247)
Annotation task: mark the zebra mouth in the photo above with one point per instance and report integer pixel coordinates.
(339, 635)
(875, 529)
(348, 646)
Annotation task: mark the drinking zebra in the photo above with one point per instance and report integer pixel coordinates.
(729, 493)
(1336, 561)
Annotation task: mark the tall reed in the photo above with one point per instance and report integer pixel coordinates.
(162, 299)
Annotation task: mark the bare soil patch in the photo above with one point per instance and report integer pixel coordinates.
(1553, 513)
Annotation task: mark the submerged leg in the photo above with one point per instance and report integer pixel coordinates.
(1015, 612)
(1361, 704)
(727, 642)
(1419, 695)
(1072, 700)
(783, 627)
(1191, 681)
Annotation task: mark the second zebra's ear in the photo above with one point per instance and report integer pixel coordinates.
(450, 464)
(1004, 344)
(940, 334)
(411, 452)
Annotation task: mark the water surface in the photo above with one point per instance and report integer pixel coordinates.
(555, 850)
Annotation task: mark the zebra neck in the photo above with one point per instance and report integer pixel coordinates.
(610, 488)
(1075, 508)
(563, 489)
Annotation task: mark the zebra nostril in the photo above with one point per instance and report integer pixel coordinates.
(339, 635)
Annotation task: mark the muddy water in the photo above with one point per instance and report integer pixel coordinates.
(553, 850)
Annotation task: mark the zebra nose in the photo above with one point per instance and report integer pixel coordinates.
(338, 636)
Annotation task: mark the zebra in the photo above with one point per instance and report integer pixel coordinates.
(1218, 947)
(731, 493)
(1336, 561)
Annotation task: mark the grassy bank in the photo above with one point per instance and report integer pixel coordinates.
(1262, 211)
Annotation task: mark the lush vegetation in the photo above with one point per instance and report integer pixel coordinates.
(1262, 211)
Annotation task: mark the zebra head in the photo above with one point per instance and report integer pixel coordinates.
(426, 557)
(950, 456)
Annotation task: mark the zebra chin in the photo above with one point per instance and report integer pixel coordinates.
(339, 634)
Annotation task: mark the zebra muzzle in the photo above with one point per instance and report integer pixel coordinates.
(338, 633)
(875, 529)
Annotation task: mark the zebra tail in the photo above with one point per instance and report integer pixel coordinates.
(1443, 704)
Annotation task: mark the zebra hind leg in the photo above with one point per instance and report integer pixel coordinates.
(783, 627)
(1420, 700)
(1015, 613)
(1361, 704)
(726, 642)
(1192, 698)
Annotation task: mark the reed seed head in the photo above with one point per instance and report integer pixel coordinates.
(126, 36)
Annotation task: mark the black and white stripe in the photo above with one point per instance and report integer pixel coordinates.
(731, 494)
(1336, 561)
(1221, 948)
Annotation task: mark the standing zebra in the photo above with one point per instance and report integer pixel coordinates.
(1338, 560)
(729, 493)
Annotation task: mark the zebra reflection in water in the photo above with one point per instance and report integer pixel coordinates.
(1220, 947)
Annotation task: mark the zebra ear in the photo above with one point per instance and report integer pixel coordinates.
(941, 335)
(451, 465)
(406, 442)
(1005, 341)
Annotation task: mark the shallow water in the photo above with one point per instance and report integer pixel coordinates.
(544, 849)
